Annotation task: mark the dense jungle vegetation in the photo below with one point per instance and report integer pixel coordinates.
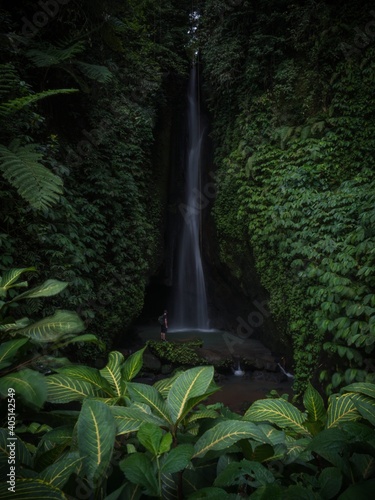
(290, 88)
(82, 90)
(88, 91)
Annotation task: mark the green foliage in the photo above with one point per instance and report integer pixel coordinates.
(180, 354)
(166, 442)
(26, 343)
(102, 232)
(293, 130)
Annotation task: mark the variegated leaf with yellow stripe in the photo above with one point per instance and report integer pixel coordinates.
(278, 412)
(96, 432)
(341, 409)
(112, 371)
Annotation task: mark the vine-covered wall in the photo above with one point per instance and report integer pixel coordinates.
(93, 159)
(291, 95)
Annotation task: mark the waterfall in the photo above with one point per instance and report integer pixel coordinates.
(190, 300)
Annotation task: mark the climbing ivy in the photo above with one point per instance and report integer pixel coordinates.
(295, 175)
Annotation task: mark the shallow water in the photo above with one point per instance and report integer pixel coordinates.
(237, 392)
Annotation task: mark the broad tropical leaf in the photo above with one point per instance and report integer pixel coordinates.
(226, 433)
(58, 473)
(130, 419)
(62, 389)
(150, 396)
(138, 469)
(177, 459)
(96, 431)
(88, 374)
(212, 493)
(278, 412)
(362, 387)
(29, 385)
(365, 406)
(87, 337)
(330, 481)
(132, 365)
(237, 471)
(190, 384)
(34, 182)
(341, 409)
(314, 404)
(8, 350)
(31, 488)
(53, 328)
(204, 413)
(16, 325)
(164, 385)
(112, 372)
(47, 289)
(152, 438)
(9, 278)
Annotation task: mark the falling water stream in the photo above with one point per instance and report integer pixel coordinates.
(190, 301)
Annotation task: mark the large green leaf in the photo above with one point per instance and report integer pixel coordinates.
(226, 433)
(9, 278)
(31, 489)
(47, 289)
(254, 472)
(331, 444)
(330, 481)
(8, 350)
(150, 396)
(362, 387)
(29, 385)
(190, 384)
(138, 469)
(130, 419)
(58, 473)
(152, 438)
(341, 409)
(96, 431)
(278, 412)
(52, 328)
(112, 371)
(212, 493)
(88, 374)
(177, 459)
(365, 406)
(361, 491)
(132, 365)
(314, 404)
(62, 389)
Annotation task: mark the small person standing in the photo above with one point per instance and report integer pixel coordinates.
(163, 325)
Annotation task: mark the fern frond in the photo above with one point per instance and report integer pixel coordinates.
(52, 56)
(7, 108)
(9, 79)
(21, 167)
(94, 72)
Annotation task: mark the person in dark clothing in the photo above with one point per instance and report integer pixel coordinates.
(164, 326)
